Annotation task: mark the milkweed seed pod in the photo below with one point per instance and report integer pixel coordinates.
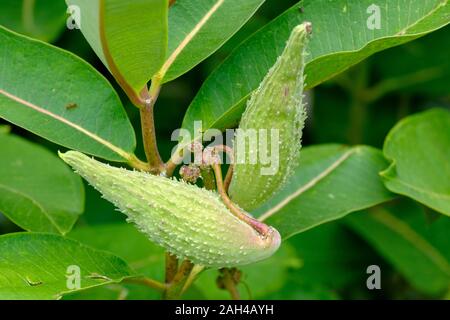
(188, 221)
(275, 114)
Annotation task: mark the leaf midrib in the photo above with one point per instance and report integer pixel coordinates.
(191, 35)
(75, 126)
(129, 90)
(311, 183)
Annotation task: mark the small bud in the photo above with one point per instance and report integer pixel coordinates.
(189, 222)
(190, 173)
(211, 156)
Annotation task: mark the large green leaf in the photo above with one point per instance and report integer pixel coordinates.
(130, 37)
(67, 102)
(38, 191)
(41, 19)
(37, 266)
(419, 147)
(198, 28)
(341, 39)
(418, 248)
(330, 182)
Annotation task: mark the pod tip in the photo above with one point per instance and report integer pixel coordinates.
(308, 26)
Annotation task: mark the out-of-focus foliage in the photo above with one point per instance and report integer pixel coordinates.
(41, 19)
(415, 242)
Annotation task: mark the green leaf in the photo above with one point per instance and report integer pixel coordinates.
(40, 19)
(129, 38)
(419, 147)
(125, 241)
(68, 102)
(38, 192)
(330, 182)
(37, 266)
(341, 39)
(198, 28)
(419, 249)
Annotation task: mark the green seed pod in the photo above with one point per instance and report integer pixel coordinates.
(275, 114)
(188, 221)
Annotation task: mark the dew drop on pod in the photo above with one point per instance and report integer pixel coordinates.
(275, 112)
(188, 221)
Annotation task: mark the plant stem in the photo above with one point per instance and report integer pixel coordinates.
(147, 282)
(134, 162)
(28, 8)
(230, 284)
(397, 83)
(229, 151)
(209, 182)
(196, 270)
(262, 228)
(172, 163)
(171, 267)
(358, 109)
(148, 130)
(228, 177)
(357, 116)
(175, 288)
